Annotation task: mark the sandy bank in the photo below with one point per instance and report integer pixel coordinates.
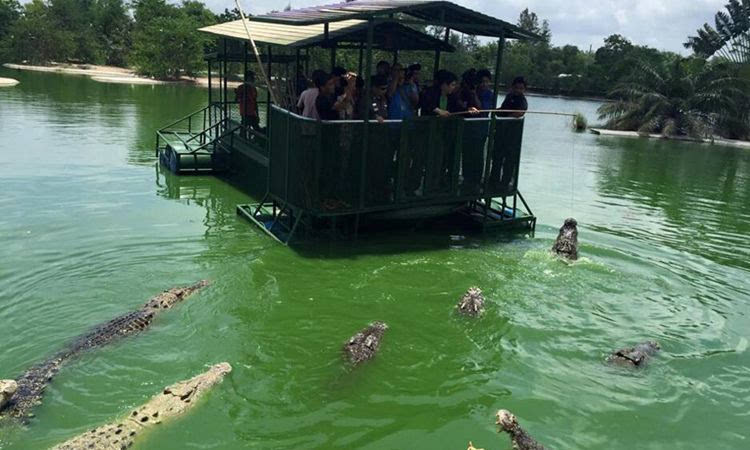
(111, 74)
(73, 69)
(125, 79)
(635, 134)
(7, 82)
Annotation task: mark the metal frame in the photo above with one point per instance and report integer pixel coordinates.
(275, 213)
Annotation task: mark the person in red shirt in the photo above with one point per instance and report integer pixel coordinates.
(247, 97)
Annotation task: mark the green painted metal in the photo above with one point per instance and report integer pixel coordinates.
(325, 168)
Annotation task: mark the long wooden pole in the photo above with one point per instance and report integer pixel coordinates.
(257, 55)
(498, 68)
(551, 113)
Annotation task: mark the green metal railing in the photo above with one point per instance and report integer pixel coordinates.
(324, 168)
(195, 130)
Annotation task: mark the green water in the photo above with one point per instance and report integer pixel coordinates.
(91, 228)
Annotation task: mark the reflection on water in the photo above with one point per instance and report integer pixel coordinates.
(695, 197)
(91, 228)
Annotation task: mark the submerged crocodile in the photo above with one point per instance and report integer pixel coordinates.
(363, 345)
(472, 303)
(636, 356)
(520, 439)
(31, 385)
(566, 244)
(173, 401)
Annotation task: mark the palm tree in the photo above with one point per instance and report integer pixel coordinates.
(672, 100)
(729, 39)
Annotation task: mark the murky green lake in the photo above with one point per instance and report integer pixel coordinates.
(91, 228)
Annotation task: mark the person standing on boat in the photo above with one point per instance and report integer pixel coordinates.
(516, 99)
(383, 68)
(467, 95)
(247, 96)
(306, 102)
(416, 71)
(400, 103)
(487, 98)
(438, 100)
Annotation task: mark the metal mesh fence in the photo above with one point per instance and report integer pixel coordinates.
(350, 166)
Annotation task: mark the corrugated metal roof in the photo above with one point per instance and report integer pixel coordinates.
(431, 12)
(278, 34)
(387, 35)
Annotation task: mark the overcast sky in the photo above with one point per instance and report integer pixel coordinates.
(663, 24)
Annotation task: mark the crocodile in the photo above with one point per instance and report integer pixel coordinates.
(173, 401)
(566, 244)
(7, 389)
(636, 356)
(31, 384)
(472, 302)
(363, 345)
(519, 438)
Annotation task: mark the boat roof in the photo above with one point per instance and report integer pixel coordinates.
(387, 36)
(428, 12)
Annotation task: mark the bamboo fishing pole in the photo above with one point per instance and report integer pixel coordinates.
(255, 51)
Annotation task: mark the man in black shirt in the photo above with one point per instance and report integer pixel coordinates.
(516, 100)
(327, 99)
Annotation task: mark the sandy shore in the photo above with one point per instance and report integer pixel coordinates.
(111, 74)
(125, 79)
(7, 82)
(635, 134)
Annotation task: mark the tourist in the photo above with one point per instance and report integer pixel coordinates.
(383, 68)
(416, 70)
(438, 100)
(326, 100)
(378, 106)
(485, 91)
(411, 89)
(306, 103)
(515, 100)
(472, 152)
(339, 76)
(468, 100)
(331, 106)
(346, 101)
(379, 157)
(399, 104)
(247, 96)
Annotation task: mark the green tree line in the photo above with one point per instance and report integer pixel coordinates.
(155, 37)
(160, 39)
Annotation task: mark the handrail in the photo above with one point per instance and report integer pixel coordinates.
(226, 133)
(308, 119)
(164, 128)
(205, 131)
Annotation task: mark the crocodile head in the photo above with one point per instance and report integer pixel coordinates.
(7, 389)
(472, 303)
(505, 420)
(171, 297)
(570, 223)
